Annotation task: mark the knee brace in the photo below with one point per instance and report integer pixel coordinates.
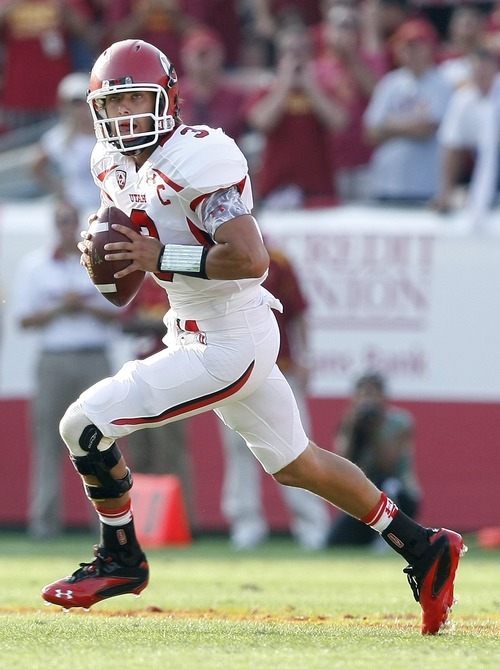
(88, 460)
(99, 464)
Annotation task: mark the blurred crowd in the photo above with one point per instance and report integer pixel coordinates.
(331, 101)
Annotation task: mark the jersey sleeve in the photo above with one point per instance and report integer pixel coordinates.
(211, 161)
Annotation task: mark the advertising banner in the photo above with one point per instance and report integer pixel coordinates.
(407, 292)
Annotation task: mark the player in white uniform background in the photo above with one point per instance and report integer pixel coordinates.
(187, 188)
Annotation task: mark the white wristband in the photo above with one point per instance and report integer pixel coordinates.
(183, 259)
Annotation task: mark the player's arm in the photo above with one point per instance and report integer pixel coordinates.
(239, 251)
(409, 128)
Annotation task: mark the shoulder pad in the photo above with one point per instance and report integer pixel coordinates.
(206, 158)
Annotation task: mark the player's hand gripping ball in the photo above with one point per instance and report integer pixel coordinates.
(101, 272)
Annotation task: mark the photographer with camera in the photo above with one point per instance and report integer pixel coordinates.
(378, 437)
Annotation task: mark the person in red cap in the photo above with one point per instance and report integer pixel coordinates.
(415, 30)
(403, 116)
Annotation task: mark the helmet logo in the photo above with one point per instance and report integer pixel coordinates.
(121, 178)
(169, 70)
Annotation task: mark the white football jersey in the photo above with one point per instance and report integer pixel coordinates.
(164, 198)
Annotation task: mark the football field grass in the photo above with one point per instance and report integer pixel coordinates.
(277, 607)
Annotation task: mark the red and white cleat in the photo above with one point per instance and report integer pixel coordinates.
(95, 581)
(432, 578)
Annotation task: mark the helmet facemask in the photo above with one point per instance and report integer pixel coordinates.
(127, 141)
(126, 67)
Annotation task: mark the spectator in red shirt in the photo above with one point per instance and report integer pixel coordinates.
(264, 18)
(209, 97)
(36, 42)
(295, 115)
(350, 74)
(86, 47)
(269, 16)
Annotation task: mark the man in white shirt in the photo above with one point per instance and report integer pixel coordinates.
(56, 298)
(403, 116)
(73, 134)
(468, 129)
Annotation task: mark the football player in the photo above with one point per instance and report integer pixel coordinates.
(187, 189)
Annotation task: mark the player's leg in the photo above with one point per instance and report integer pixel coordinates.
(270, 422)
(180, 381)
(119, 565)
(433, 555)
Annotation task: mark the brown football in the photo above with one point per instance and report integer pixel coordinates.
(118, 291)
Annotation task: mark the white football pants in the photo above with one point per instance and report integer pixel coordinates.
(228, 364)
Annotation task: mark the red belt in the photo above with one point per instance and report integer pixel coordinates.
(188, 326)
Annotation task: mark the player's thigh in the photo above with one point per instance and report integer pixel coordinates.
(181, 381)
(147, 393)
(270, 423)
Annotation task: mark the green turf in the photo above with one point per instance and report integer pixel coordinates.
(276, 607)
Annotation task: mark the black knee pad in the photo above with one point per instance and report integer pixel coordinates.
(99, 464)
(90, 438)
